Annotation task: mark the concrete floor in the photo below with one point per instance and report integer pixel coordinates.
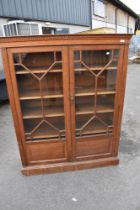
(110, 188)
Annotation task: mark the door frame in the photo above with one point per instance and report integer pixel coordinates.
(27, 146)
(117, 103)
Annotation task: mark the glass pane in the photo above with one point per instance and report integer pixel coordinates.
(95, 86)
(52, 128)
(40, 84)
(89, 125)
(106, 80)
(37, 62)
(86, 79)
(33, 109)
(105, 103)
(84, 105)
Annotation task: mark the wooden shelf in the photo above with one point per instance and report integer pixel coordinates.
(43, 135)
(79, 61)
(41, 70)
(96, 132)
(97, 68)
(35, 94)
(36, 113)
(58, 112)
(38, 71)
(87, 109)
(45, 132)
(92, 93)
(32, 95)
(98, 129)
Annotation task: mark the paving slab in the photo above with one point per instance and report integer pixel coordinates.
(109, 188)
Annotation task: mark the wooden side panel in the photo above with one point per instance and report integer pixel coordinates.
(88, 147)
(46, 152)
(12, 98)
(121, 93)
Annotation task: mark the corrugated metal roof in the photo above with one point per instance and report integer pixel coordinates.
(66, 11)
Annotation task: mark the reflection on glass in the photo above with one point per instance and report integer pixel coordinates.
(105, 102)
(52, 128)
(40, 85)
(84, 82)
(93, 125)
(33, 108)
(84, 104)
(95, 85)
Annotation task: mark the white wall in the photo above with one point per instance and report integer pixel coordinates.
(131, 24)
(98, 24)
(125, 22)
(72, 28)
(110, 25)
(110, 13)
(122, 18)
(97, 19)
(121, 29)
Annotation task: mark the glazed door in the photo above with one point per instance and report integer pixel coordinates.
(93, 83)
(40, 83)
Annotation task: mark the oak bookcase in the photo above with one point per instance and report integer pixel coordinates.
(66, 94)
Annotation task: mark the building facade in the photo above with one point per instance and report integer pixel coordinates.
(33, 17)
(113, 14)
(30, 17)
(44, 16)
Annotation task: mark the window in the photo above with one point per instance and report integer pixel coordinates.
(49, 30)
(62, 31)
(98, 8)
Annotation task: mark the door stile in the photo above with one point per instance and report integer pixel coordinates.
(16, 95)
(72, 102)
(121, 84)
(18, 112)
(14, 103)
(66, 87)
(117, 98)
